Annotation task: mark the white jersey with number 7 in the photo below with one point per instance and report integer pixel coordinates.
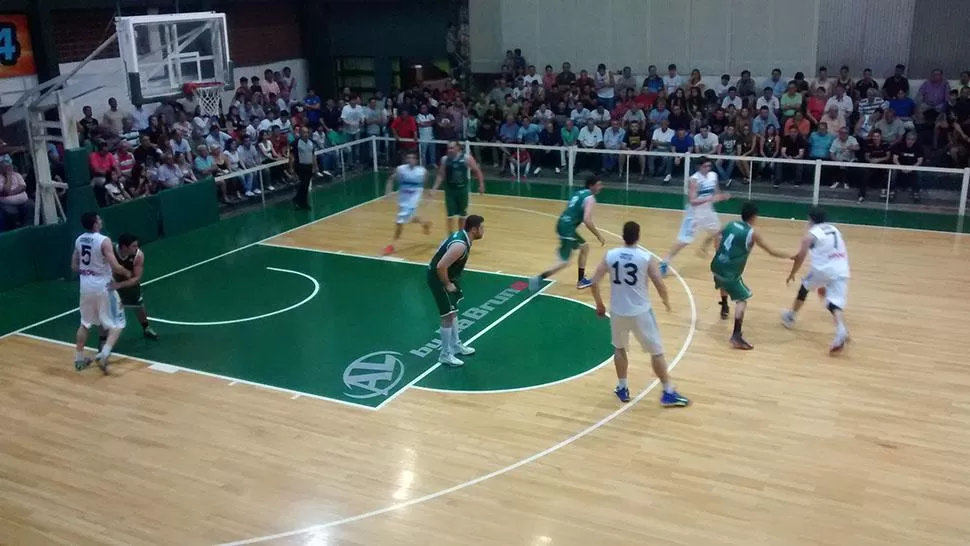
(829, 253)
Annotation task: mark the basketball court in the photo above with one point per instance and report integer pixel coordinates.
(294, 399)
(294, 395)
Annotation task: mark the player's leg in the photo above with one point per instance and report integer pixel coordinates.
(568, 242)
(684, 238)
(146, 327)
(725, 308)
(447, 303)
(740, 294)
(648, 334)
(112, 316)
(620, 333)
(810, 282)
(404, 215)
(711, 230)
(836, 292)
(581, 280)
(89, 317)
(457, 347)
(451, 210)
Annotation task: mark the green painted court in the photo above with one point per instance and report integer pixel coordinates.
(334, 326)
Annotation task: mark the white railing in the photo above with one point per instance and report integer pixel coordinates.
(570, 153)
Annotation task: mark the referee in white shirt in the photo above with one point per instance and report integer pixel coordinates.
(303, 161)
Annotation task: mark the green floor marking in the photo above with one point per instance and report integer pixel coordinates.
(368, 333)
(546, 341)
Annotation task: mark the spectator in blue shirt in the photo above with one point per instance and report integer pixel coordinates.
(653, 80)
(529, 132)
(682, 143)
(312, 104)
(658, 114)
(612, 140)
(763, 120)
(903, 105)
(819, 142)
(508, 133)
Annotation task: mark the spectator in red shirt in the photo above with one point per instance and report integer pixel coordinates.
(104, 167)
(646, 99)
(405, 131)
(549, 78)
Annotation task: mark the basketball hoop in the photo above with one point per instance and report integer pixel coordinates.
(208, 95)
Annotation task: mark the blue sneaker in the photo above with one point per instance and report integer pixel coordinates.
(663, 269)
(622, 393)
(673, 400)
(584, 283)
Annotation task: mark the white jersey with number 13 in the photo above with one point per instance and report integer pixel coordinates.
(628, 275)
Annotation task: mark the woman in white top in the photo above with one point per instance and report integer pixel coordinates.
(268, 156)
(605, 91)
(235, 165)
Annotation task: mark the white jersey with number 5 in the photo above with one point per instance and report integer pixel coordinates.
(628, 286)
(93, 268)
(829, 253)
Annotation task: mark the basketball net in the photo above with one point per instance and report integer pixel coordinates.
(208, 94)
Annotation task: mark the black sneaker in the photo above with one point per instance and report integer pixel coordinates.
(725, 311)
(738, 342)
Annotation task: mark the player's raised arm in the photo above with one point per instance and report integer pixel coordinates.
(653, 271)
(588, 206)
(807, 241)
(601, 270)
(107, 249)
(455, 251)
(756, 237)
(477, 171)
(390, 183)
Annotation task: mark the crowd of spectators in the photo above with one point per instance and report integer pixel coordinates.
(141, 152)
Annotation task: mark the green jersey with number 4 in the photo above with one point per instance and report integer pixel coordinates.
(732, 255)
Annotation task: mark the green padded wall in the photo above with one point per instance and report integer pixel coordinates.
(20, 270)
(189, 207)
(51, 251)
(76, 167)
(138, 217)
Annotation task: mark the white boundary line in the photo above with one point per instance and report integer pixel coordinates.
(316, 290)
(532, 387)
(522, 462)
(197, 264)
(469, 341)
(172, 368)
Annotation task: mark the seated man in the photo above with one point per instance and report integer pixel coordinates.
(14, 201)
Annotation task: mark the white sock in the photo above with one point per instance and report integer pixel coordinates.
(455, 340)
(79, 356)
(621, 383)
(105, 351)
(840, 329)
(669, 387)
(446, 341)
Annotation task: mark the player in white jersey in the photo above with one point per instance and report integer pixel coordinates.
(410, 178)
(829, 274)
(702, 193)
(630, 311)
(95, 262)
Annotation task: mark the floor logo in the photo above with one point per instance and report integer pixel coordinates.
(373, 375)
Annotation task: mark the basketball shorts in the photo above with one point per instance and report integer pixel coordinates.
(456, 202)
(569, 240)
(733, 285)
(131, 296)
(697, 220)
(644, 329)
(407, 206)
(836, 288)
(447, 302)
(102, 308)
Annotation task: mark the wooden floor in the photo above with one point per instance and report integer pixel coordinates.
(783, 445)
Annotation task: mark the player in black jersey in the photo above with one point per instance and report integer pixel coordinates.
(131, 258)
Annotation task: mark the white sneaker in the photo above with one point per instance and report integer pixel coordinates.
(558, 170)
(537, 171)
(465, 350)
(534, 283)
(250, 194)
(788, 319)
(271, 188)
(327, 173)
(834, 186)
(839, 342)
(258, 191)
(450, 360)
(666, 179)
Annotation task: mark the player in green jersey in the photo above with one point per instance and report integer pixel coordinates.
(444, 275)
(578, 211)
(453, 172)
(129, 289)
(734, 244)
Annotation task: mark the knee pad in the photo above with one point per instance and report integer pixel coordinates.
(802, 293)
(833, 308)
